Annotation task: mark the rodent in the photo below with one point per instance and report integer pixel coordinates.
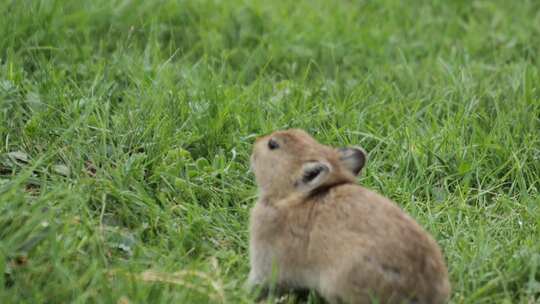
(313, 227)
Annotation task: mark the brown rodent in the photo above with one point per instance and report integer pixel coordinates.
(314, 228)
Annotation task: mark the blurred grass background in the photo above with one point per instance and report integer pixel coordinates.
(126, 126)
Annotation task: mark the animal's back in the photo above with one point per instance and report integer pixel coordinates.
(373, 247)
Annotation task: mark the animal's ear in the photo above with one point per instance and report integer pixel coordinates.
(314, 174)
(353, 159)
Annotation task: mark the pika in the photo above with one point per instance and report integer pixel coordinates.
(314, 228)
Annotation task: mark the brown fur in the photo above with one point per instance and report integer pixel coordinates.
(348, 243)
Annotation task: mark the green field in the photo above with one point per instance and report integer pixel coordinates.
(126, 128)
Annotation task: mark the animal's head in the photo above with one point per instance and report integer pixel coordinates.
(290, 161)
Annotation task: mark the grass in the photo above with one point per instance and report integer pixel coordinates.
(126, 126)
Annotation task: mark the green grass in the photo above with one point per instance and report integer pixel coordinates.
(126, 127)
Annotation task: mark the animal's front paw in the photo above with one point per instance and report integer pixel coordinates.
(257, 290)
(255, 285)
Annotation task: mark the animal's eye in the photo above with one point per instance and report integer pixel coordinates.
(272, 144)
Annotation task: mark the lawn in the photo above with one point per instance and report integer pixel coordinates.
(126, 128)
